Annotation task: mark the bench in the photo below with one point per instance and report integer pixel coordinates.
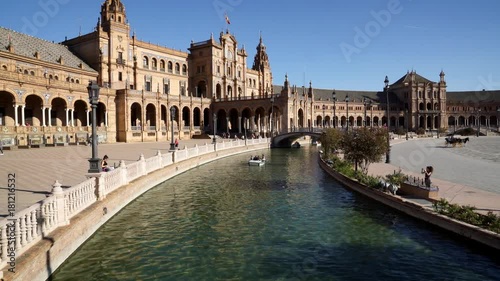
(36, 141)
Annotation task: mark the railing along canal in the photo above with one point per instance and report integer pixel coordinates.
(30, 225)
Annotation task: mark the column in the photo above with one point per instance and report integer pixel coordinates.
(43, 116)
(23, 119)
(72, 117)
(87, 113)
(239, 124)
(106, 119)
(16, 109)
(50, 116)
(67, 116)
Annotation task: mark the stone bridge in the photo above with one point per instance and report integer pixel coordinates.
(287, 137)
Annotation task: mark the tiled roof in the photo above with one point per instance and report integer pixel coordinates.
(28, 46)
(354, 96)
(407, 78)
(473, 97)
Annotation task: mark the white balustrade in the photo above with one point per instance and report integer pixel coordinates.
(133, 171)
(79, 197)
(37, 221)
(153, 163)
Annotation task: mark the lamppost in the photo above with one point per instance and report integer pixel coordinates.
(365, 103)
(498, 123)
(172, 119)
(478, 120)
(324, 107)
(215, 128)
(407, 121)
(388, 153)
(347, 112)
(272, 115)
(95, 162)
(334, 98)
(245, 129)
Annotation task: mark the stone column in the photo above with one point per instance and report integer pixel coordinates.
(87, 113)
(50, 116)
(43, 116)
(23, 119)
(16, 117)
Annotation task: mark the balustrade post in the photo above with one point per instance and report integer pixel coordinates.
(158, 156)
(174, 153)
(61, 218)
(100, 190)
(3, 243)
(123, 172)
(142, 165)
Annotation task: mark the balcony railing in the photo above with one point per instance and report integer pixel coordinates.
(120, 61)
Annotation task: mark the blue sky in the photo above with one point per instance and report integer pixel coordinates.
(341, 44)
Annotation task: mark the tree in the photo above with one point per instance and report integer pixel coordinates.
(364, 146)
(330, 141)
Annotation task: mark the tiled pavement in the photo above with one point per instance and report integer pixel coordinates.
(37, 169)
(464, 175)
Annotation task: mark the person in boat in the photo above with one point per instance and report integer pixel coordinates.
(256, 157)
(263, 158)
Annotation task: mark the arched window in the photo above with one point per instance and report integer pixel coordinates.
(177, 68)
(145, 62)
(162, 65)
(184, 69)
(153, 63)
(32, 73)
(170, 66)
(26, 71)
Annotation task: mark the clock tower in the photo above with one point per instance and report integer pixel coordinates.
(115, 51)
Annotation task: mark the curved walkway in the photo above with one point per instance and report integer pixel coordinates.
(468, 175)
(37, 169)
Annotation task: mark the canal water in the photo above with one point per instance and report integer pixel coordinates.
(286, 220)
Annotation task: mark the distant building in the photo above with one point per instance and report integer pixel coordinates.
(44, 99)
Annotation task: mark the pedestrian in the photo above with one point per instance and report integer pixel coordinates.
(1, 147)
(104, 164)
(176, 143)
(427, 173)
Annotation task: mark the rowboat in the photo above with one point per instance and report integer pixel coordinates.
(256, 162)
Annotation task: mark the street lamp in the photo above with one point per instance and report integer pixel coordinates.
(498, 123)
(172, 119)
(365, 103)
(334, 98)
(407, 121)
(388, 153)
(272, 115)
(347, 112)
(324, 107)
(245, 129)
(478, 120)
(95, 162)
(215, 128)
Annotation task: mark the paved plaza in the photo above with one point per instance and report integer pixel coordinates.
(465, 175)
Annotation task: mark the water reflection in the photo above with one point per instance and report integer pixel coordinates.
(286, 220)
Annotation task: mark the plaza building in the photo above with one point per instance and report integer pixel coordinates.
(149, 91)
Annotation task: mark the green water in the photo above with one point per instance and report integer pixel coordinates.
(286, 220)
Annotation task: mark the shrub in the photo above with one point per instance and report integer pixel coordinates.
(420, 131)
(400, 131)
(468, 214)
